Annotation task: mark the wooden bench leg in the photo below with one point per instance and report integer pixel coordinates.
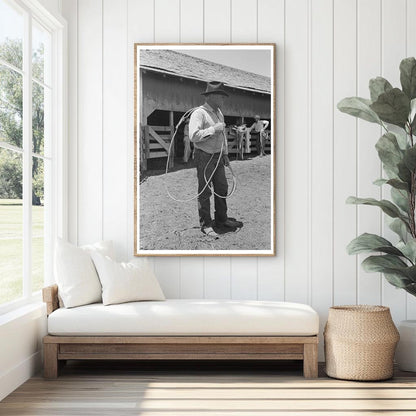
(50, 360)
(310, 360)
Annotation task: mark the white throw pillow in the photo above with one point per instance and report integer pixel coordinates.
(104, 247)
(75, 273)
(126, 282)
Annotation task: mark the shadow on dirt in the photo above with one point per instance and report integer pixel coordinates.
(225, 230)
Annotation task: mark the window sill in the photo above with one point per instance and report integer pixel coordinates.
(35, 306)
(20, 302)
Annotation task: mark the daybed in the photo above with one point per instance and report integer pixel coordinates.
(181, 329)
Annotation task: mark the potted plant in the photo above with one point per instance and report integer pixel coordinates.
(394, 109)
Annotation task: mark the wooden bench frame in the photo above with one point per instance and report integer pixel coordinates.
(58, 349)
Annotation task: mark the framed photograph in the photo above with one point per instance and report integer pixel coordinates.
(205, 149)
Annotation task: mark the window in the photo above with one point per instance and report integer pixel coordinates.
(31, 141)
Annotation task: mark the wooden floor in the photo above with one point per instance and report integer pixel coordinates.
(222, 389)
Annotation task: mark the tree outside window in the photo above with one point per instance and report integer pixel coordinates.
(22, 269)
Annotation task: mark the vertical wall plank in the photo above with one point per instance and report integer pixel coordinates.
(345, 151)
(217, 21)
(167, 24)
(270, 275)
(192, 31)
(411, 28)
(70, 12)
(217, 29)
(168, 273)
(296, 152)
(217, 278)
(115, 52)
(321, 168)
(90, 128)
(192, 278)
(167, 15)
(244, 278)
(243, 270)
(192, 21)
(140, 30)
(369, 167)
(393, 51)
(411, 51)
(244, 21)
(271, 29)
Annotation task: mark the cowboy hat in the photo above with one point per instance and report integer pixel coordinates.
(214, 87)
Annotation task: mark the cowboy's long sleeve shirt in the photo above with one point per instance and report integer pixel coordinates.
(202, 132)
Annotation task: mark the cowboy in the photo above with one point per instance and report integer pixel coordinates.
(241, 137)
(207, 132)
(259, 127)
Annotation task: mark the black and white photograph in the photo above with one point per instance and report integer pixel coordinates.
(205, 150)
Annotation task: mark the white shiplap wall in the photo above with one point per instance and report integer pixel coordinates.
(326, 50)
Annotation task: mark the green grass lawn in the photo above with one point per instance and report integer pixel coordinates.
(11, 249)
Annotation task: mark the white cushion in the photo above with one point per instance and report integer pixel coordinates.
(187, 317)
(104, 247)
(75, 273)
(126, 282)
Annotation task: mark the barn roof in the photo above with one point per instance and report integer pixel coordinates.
(179, 64)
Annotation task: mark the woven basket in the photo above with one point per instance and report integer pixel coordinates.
(360, 341)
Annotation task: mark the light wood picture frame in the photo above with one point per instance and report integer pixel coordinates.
(170, 82)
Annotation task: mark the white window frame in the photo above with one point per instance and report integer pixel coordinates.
(58, 211)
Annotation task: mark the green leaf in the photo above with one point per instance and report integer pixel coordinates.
(359, 107)
(366, 243)
(398, 184)
(408, 249)
(390, 173)
(410, 158)
(401, 137)
(408, 77)
(410, 272)
(378, 86)
(380, 182)
(411, 289)
(400, 198)
(395, 183)
(388, 207)
(404, 173)
(400, 228)
(412, 116)
(412, 110)
(397, 280)
(389, 151)
(396, 271)
(392, 107)
(381, 263)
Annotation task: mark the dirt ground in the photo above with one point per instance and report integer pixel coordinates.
(169, 225)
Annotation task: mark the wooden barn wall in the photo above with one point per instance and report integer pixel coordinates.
(326, 50)
(172, 94)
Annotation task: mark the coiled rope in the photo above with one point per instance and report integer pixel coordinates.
(207, 181)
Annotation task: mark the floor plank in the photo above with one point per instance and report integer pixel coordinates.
(226, 389)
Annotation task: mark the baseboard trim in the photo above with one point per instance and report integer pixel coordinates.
(11, 379)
